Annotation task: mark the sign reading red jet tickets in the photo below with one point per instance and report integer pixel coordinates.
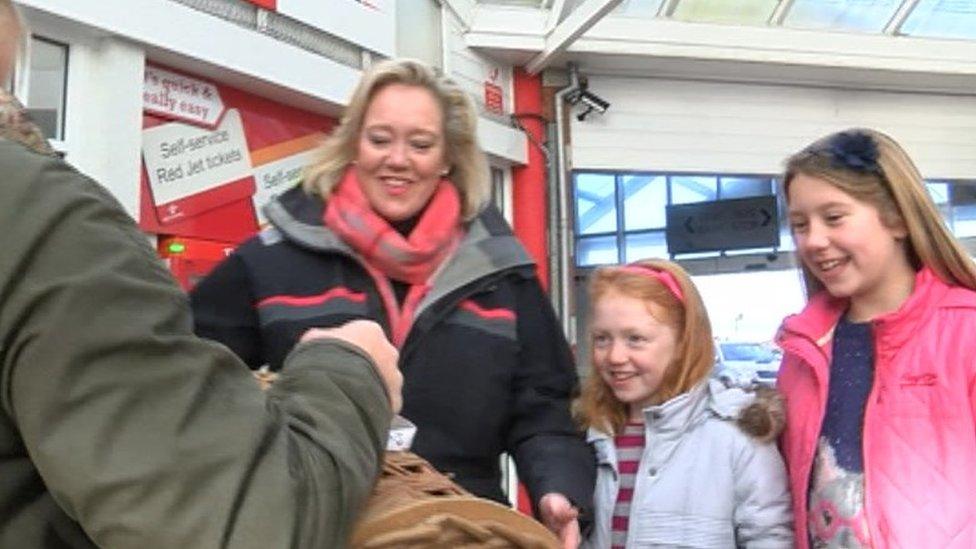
(192, 170)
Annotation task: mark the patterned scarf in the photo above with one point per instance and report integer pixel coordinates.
(16, 125)
(388, 255)
(413, 259)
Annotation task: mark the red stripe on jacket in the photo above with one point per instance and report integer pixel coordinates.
(306, 301)
(495, 314)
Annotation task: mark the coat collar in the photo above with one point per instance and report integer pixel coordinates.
(488, 245)
(818, 319)
(710, 397)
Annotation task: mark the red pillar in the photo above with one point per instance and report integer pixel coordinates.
(529, 205)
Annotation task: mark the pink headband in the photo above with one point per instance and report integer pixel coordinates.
(662, 276)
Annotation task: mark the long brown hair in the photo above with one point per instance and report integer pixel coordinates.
(891, 183)
(468, 164)
(694, 350)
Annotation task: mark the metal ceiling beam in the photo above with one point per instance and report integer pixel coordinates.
(568, 30)
(667, 8)
(463, 10)
(558, 12)
(779, 13)
(901, 14)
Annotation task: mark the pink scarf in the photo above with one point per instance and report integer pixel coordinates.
(388, 255)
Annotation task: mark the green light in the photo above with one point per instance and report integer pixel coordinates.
(177, 247)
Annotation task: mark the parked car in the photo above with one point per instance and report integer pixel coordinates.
(744, 363)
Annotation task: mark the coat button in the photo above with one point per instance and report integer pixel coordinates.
(652, 471)
(655, 415)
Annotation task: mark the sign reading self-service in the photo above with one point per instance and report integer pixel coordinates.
(192, 169)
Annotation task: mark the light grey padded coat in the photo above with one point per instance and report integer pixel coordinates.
(703, 481)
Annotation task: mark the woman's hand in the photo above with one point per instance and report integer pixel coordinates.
(559, 515)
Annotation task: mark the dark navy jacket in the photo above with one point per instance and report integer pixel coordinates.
(486, 368)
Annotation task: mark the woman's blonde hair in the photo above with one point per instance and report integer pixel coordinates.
(873, 168)
(468, 164)
(694, 352)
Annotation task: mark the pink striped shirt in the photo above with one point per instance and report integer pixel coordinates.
(630, 445)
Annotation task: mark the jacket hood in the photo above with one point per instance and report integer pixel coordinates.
(765, 418)
(757, 412)
(817, 320)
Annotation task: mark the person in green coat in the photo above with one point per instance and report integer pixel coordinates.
(118, 427)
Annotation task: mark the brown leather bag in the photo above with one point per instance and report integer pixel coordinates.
(413, 506)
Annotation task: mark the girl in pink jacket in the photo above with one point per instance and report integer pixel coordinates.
(879, 370)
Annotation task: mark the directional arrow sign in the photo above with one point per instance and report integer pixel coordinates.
(723, 225)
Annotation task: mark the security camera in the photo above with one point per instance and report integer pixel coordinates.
(594, 102)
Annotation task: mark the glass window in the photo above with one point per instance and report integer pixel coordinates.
(645, 198)
(596, 203)
(942, 19)
(756, 12)
(939, 192)
(645, 245)
(786, 243)
(743, 187)
(498, 197)
(963, 209)
(638, 8)
(46, 80)
(964, 221)
(686, 189)
(607, 235)
(597, 250)
(852, 15)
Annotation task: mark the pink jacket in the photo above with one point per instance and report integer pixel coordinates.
(919, 428)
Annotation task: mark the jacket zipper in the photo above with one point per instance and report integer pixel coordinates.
(821, 403)
(875, 397)
(449, 304)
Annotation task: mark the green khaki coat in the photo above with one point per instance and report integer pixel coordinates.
(120, 429)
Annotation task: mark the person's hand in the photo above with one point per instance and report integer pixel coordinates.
(369, 336)
(559, 515)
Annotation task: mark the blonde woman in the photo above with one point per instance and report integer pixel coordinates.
(392, 225)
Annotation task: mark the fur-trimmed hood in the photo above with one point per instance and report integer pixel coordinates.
(758, 411)
(765, 418)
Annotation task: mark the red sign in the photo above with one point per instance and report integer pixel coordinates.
(266, 4)
(209, 183)
(493, 98)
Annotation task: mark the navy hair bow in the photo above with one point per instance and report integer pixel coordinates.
(855, 151)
